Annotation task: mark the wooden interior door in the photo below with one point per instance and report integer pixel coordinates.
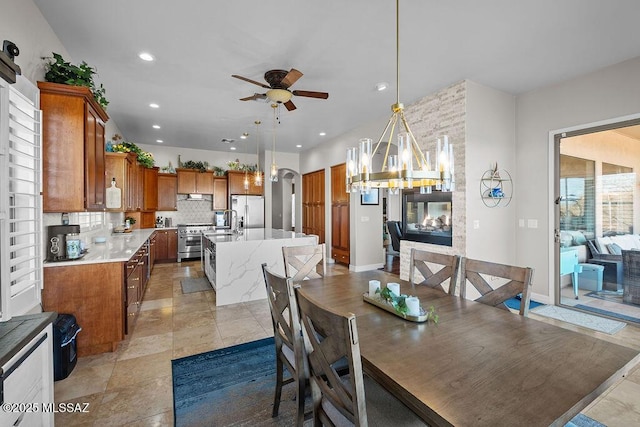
(340, 248)
(313, 204)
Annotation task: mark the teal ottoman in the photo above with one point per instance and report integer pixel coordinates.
(590, 278)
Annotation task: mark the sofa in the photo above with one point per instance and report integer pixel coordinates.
(608, 251)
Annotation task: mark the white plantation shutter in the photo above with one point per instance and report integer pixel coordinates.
(20, 203)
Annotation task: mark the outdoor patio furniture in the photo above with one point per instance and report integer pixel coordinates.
(631, 279)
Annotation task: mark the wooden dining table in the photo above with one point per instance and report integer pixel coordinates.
(479, 365)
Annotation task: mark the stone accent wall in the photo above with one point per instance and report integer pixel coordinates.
(443, 113)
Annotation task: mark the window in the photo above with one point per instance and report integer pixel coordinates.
(577, 194)
(617, 199)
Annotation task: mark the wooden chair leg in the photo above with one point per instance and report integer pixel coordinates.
(279, 384)
(301, 398)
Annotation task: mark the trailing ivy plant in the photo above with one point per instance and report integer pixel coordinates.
(61, 71)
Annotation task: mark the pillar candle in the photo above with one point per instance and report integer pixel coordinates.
(395, 288)
(413, 306)
(374, 285)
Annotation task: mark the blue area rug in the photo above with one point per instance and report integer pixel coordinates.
(514, 303)
(233, 385)
(582, 420)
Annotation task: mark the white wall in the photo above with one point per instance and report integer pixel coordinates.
(22, 23)
(605, 95)
(490, 138)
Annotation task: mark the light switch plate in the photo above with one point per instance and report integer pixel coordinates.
(476, 224)
(532, 223)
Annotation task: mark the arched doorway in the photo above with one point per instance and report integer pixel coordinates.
(286, 207)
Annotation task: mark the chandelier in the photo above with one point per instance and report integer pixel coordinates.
(273, 175)
(410, 167)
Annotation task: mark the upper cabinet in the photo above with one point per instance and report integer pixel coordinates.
(138, 185)
(73, 155)
(220, 196)
(236, 183)
(121, 166)
(192, 181)
(167, 192)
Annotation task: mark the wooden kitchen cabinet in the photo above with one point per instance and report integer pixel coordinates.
(168, 192)
(220, 195)
(235, 183)
(313, 204)
(73, 154)
(122, 167)
(340, 248)
(192, 181)
(150, 189)
(166, 245)
(95, 295)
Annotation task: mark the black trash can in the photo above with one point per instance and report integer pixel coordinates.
(65, 329)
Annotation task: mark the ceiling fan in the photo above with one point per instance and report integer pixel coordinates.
(279, 83)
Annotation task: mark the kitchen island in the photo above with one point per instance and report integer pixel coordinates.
(233, 262)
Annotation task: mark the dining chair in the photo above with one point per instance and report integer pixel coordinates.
(288, 340)
(436, 269)
(303, 262)
(515, 280)
(331, 341)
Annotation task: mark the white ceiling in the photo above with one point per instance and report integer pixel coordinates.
(342, 47)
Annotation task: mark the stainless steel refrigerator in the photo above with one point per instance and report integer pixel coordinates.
(250, 210)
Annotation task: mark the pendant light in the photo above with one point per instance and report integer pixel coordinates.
(410, 167)
(273, 175)
(258, 176)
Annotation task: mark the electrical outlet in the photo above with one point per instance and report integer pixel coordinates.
(521, 222)
(364, 219)
(532, 223)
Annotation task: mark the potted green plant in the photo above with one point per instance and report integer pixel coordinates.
(61, 71)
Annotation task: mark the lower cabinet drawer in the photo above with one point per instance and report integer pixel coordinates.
(340, 255)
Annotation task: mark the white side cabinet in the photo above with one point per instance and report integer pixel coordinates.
(27, 384)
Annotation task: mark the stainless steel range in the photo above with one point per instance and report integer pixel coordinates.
(189, 242)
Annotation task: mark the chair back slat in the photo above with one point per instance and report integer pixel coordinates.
(330, 339)
(447, 268)
(304, 262)
(515, 281)
(287, 332)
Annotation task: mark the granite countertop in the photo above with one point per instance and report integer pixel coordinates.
(119, 247)
(17, 332)
(254, 234)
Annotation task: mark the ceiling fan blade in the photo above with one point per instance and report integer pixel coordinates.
(255, 96)
(251, 81)
(291, 77)
(290, 106)
(311, 94)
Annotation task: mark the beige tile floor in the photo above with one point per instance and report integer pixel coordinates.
(133, 387)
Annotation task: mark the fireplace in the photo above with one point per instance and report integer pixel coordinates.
(427, 217)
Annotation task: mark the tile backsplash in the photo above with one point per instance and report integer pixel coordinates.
(190, 211)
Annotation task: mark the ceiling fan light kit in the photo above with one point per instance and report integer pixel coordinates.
(278, 88)
(410, 167)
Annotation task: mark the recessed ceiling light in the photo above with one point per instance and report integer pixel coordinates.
(322, 133)
(298, 146)
(159, 141)
(382, 86)
(146, 56)
(232, 148)
(154, 105)
(156, 126)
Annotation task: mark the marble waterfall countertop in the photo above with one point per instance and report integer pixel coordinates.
(234, 267)
(119, 247)
(253, 234)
